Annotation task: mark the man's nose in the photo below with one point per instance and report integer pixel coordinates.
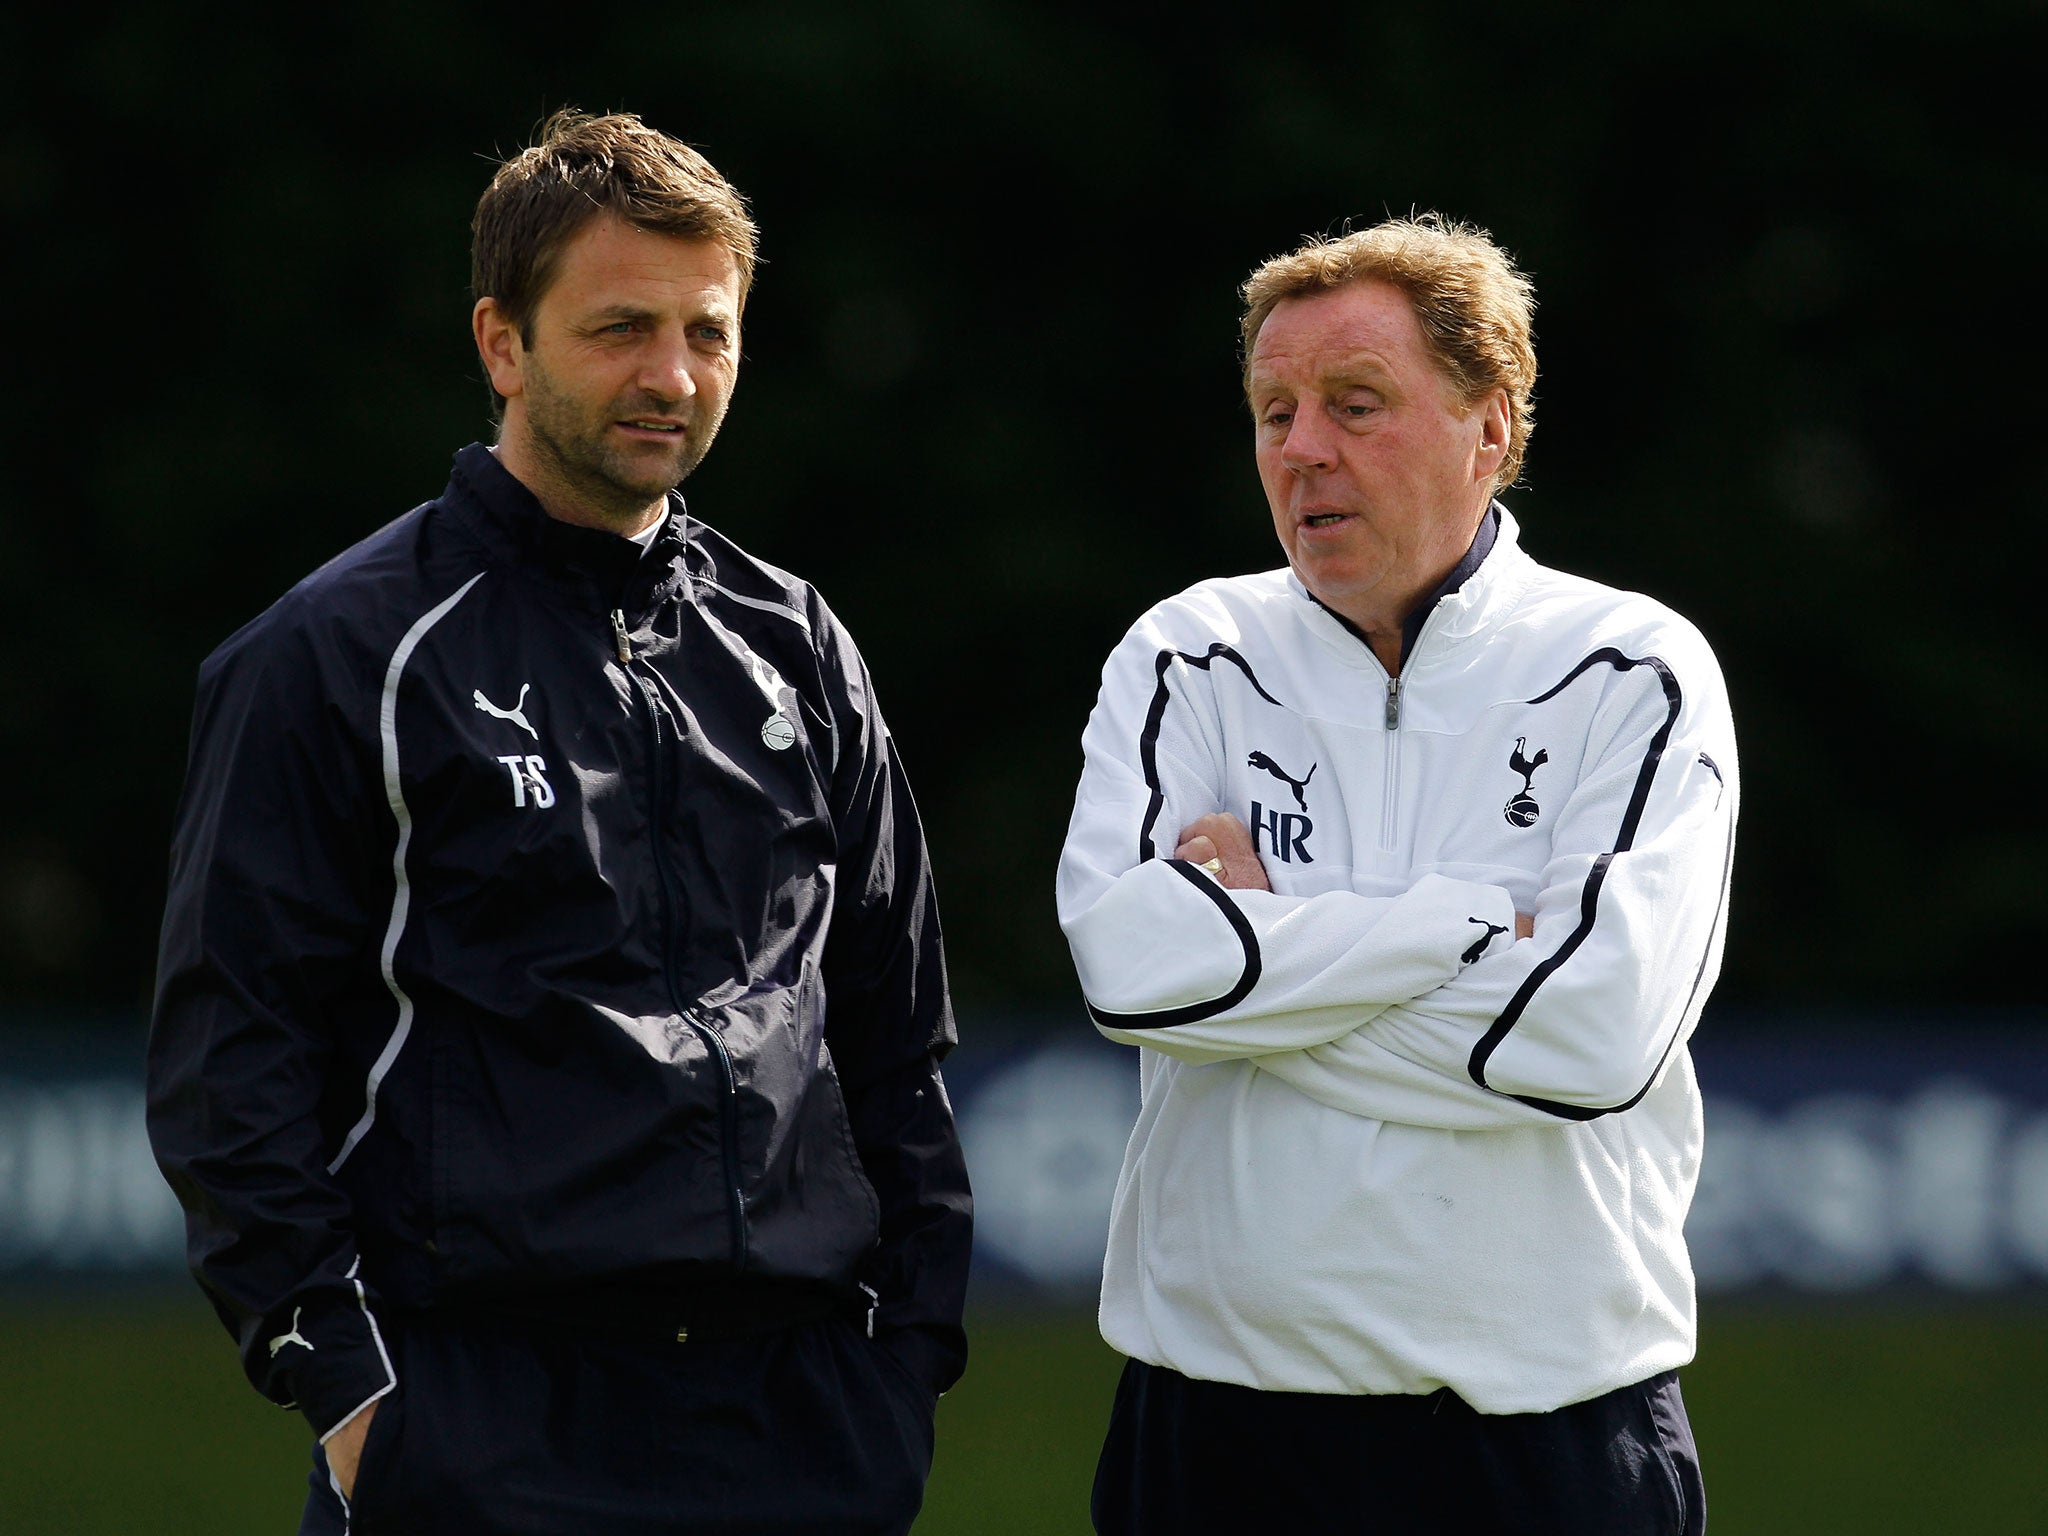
(666, 371)
(1310, 442)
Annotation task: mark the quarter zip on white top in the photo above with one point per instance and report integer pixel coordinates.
(1391, 777)
(1390, 795)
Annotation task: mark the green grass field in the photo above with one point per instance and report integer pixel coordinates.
(134, 1420)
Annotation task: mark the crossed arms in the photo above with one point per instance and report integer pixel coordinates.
(1440, 1005)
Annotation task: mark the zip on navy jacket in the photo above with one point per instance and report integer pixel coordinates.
(548, 922)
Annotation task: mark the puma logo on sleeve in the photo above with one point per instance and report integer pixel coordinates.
(1479, 944)
(294, 1337)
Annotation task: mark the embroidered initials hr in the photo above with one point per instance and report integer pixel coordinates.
(529, 779)
(1284, 833)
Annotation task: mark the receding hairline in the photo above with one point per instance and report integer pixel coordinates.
(1364, 356)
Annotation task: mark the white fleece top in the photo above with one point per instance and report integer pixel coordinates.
(1383, 1145)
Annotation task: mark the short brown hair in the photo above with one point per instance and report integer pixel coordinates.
(578, 167)
(1472, 304)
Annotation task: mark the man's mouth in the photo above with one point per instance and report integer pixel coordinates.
(653, 426)
(1324, 519)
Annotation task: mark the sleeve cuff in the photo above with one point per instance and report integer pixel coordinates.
(357, 1412)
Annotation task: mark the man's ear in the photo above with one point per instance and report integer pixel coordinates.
(1491, 450)
(498, 344)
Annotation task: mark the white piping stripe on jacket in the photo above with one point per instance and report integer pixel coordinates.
(790, 614)
(765, 606)
(347, 1522)
(401, 899)
(377, 1334)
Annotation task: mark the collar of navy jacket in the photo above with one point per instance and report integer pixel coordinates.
(590, 566)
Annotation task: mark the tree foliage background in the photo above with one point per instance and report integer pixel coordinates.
(1787, 259)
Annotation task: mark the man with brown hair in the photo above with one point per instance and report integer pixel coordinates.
(551, 1000)
(1405, 868)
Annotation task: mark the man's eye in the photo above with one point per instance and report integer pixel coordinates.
(710, 333)
(619, 328)
(1278, 418)
(1357, 409)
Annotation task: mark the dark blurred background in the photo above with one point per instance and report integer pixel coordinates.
(1786, 257)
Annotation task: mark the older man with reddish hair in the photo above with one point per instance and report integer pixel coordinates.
(1404, 867)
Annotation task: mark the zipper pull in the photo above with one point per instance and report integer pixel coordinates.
(874, 1303)
(1394, 702)
(619, 637)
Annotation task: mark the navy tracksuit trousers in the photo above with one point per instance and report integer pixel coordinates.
(1191, 1457)
(505, 1429)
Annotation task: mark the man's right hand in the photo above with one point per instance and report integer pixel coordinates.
(345, 1450)
(1222, 837)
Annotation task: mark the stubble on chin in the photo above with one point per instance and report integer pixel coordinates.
(609, 483)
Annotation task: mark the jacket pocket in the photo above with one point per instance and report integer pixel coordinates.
(811, 1209)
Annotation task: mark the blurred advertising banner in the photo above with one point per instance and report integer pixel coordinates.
(1839, 1160)
(79, 1193)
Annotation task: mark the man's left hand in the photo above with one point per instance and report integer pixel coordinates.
(1223, 838)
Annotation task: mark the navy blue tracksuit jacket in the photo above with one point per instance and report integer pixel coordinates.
(548, 923)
